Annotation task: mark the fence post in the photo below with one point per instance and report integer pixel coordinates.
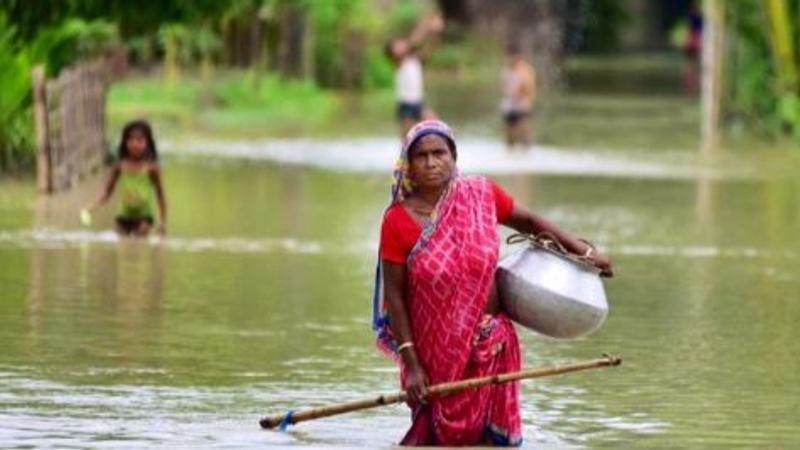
(44, 175)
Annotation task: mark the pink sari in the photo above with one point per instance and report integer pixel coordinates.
(450, 279)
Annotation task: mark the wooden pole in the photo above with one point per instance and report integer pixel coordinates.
(711, 83)
(438, 390)
(44, 173)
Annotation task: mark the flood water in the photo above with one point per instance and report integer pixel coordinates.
(259, 302)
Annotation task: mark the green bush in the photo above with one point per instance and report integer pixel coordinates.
(404, 17)
(72, 40)
(751, 74)
(290, 97)
(378, 73)
(606, 20)
(16, 133)
(143, 49)
(344, 30)
(56, 47)
(448, 56)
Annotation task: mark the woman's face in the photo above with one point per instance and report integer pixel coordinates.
(431, 162)
(136, 143)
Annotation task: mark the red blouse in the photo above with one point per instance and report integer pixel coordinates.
(400, 231)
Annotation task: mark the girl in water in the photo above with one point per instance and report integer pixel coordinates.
(139, 177)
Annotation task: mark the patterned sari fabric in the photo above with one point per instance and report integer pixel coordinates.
(450, 279)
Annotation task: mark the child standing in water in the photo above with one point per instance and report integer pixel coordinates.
(139, 177)
(519, 95)
(409, 90)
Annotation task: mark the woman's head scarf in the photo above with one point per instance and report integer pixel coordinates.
(402, 186)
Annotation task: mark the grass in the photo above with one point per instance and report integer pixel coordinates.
(233, 105)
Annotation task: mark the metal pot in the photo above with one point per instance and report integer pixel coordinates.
(551, 292)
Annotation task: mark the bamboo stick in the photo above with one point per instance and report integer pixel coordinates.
(439, 390)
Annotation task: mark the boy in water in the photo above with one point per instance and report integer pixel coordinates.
(519, 95)
(409, 88)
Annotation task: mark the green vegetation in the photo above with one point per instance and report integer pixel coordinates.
(605, 22)
(230, 106)
(762, 66)
(286, 67)
(54, 46)
(279, 66)
(72, 40)
(347, 43)
(16, 135)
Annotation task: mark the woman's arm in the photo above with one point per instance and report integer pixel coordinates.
(394, 282)
(155, 177)
(111, 183)
(526, 221)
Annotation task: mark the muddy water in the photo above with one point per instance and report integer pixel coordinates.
(259, 302)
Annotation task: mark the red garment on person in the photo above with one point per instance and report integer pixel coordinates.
(400, 231)
(450, 275)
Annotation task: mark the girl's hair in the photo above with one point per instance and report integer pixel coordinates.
(144, 127)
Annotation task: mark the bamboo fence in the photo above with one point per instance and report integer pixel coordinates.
(70, 116)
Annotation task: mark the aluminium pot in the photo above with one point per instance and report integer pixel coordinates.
(555, 294)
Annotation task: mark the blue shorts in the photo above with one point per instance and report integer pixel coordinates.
(411, 111)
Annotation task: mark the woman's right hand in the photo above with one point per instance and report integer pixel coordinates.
(603, 263)
(416, 385)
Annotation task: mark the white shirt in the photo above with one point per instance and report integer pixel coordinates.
(408, 80)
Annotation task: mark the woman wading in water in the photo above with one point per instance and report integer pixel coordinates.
(436, 308)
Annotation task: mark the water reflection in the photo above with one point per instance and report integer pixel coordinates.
(114, 291)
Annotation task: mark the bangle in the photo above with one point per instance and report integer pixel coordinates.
(404, 346)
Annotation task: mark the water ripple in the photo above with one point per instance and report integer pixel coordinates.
(53, 238)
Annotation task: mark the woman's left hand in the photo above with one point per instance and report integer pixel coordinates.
(603, 263)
